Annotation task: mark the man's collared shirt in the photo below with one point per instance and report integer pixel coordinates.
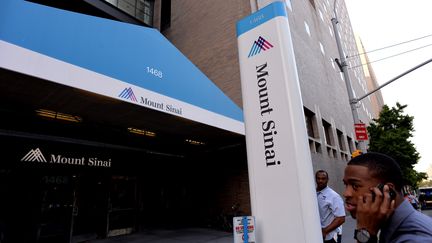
(330, 206)
(407, 225)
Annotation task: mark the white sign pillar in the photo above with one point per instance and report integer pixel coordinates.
(281, 176)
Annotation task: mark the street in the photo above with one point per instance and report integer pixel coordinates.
(428, 212)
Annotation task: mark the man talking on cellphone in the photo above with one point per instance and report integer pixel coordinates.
(373, 196)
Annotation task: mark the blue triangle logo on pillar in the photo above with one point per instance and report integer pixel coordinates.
(259, 45)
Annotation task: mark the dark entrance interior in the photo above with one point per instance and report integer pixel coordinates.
(175, 174)
(55, 204)
(89, 214)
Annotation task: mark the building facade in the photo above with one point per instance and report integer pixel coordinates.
(376, 98)
(211, 44)
(101, 151)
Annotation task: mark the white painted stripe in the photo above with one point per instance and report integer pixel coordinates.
(35, 64)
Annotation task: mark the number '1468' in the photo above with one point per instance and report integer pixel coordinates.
(155, 72)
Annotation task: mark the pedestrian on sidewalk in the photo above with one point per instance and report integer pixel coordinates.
(331, 208)
(373, 196)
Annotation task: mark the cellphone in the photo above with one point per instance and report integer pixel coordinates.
(381, 188)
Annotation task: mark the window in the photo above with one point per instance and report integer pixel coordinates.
(138, 12)
(288, 3)
(322, 48)
(165, 15)
(312, 130)
(310, 123)
(307, 28)
(139, 9)
(328, 133)
(312, 2)
(144, 11)
(341, 140)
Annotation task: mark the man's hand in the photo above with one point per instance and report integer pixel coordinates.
(338, 221)
(371, 214)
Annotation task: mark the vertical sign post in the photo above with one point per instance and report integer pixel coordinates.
(281, 179)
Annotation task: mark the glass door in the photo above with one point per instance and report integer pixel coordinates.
(56, 209)
(90, 207)
(123, 205)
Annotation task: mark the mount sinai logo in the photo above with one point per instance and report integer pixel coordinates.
(128, 93)
(156, 104)
(34, 155)
(259, 45)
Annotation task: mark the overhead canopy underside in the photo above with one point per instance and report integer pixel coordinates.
(107, 71)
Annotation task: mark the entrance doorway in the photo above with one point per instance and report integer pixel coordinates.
(55, 209)
(90, 207)
(122, 213)
(104, 206)
(47, 202)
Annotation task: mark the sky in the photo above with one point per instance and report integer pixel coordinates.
(382, 23)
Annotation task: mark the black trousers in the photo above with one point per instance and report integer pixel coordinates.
(330, 241)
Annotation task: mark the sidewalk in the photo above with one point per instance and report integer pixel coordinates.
(201, 235)
(190, 235)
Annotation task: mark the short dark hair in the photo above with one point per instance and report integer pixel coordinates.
(321, 171)
(382, 167)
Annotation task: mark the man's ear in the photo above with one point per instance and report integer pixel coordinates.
(391, 186)
(393, 192)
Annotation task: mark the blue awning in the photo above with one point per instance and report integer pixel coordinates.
(123, 61)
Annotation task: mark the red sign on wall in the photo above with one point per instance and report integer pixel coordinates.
(360, 131)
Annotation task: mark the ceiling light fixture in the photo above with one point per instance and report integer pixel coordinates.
(194, 142)
(58, 115)
(141, 132)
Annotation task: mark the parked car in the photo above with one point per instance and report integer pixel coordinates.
(425, 197)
